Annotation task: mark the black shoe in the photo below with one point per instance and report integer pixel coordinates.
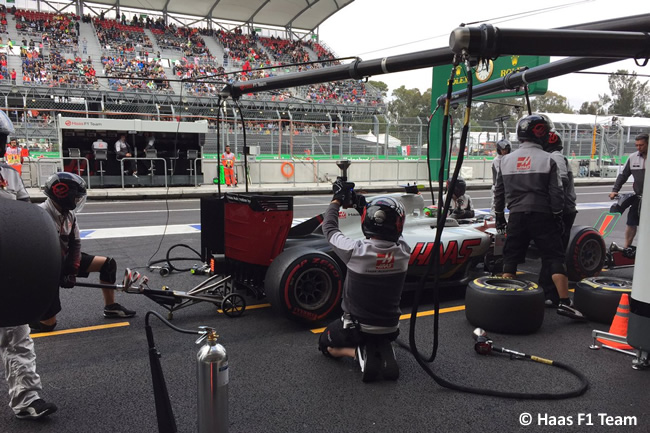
(370, 361)
(389, 367)
(38, 409)
(117, 311)
(41, 327)
(570, 312)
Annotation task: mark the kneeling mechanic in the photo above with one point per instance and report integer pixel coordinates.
(376, 270)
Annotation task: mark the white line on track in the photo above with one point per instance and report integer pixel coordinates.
(175, 229)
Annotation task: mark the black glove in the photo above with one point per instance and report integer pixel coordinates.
(359, 201)
(559, 221)
(68, 281)
(457, 213)
(500, 222)
(339, 189)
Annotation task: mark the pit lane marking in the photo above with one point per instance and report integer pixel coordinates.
(408, 316)
(250, 307)
(78, 330)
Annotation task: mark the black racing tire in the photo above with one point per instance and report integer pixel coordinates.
(504, 305)
(599, 297)
(30, 262)
(585, 254)
(304, 284)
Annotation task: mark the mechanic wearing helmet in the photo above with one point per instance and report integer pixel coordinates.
(503, 148)
(529, 183)
(16, 346)
(461, 203)
(66, 195)
(376, 270)
(635, 166)
(554, 147)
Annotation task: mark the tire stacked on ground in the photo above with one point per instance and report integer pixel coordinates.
(504, 305)
(599, 297)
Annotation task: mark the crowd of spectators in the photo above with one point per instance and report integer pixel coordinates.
(343, 92)
(57, 70)
(285, 51)
(137, 74)
(3, 19)
(239, 48)
(58, 31)
(322, 53)
(122, 39)
(127, 49)
(187, 40)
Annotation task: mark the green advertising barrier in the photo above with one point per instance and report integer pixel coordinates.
(484, 72)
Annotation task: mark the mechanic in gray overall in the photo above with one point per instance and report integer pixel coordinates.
(16, 346)
(503, 147)
(529, 183)
(66, 195)
(376, 270)
(554, 147)
(635, 166)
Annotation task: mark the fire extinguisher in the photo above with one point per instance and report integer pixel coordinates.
(212, 379)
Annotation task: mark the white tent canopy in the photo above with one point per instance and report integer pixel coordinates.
(381, 138)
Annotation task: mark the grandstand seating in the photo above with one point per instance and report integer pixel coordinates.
(50, 57)
(186, 40)
(122, 39)
(58, 31)
(120, 69)
(56, 70)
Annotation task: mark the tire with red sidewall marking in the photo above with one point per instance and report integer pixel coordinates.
(304, 284)
(504, 305)
(585, 254)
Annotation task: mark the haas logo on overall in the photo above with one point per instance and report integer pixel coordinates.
(523, 163)
(385, 261)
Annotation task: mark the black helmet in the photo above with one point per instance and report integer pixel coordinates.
(383, 217)
(535, 128)
(461, 186)
(67, 190)
(554, 142)
(503, 147)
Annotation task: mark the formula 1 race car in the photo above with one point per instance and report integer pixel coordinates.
(254, 239)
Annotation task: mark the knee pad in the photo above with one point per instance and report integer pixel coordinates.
(108, 272)
(558, 268)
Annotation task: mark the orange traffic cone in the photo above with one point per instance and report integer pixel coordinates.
(619, 324)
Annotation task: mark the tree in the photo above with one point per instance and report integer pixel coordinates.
(488, 110)
(595, 107)
(550, 102)
(409, 103)
(381, 86)
(628, 94)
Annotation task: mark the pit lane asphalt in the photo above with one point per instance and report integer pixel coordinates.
(279, 382)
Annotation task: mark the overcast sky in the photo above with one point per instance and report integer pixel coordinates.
(369, 28)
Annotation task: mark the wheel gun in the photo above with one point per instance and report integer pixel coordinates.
(350, 196)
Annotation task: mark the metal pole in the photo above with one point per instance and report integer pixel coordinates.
(330, 135)
(406, 62)
(638, 335)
